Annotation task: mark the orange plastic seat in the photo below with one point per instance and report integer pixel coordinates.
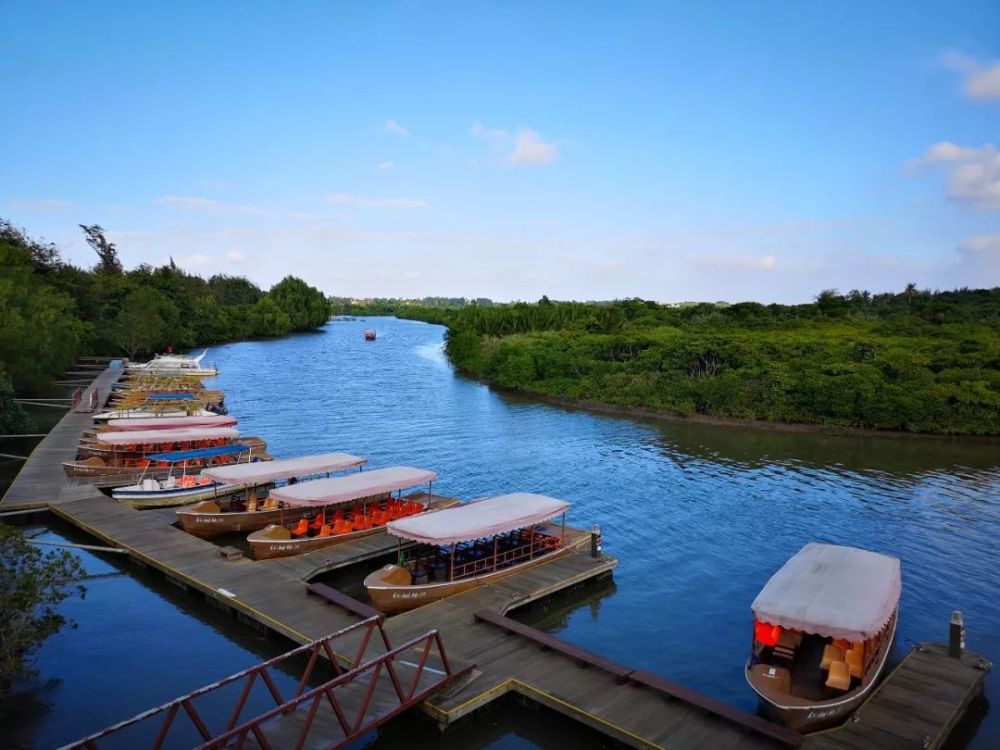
(380, 518)
(302, 529)
(325, 530)
(318, 522)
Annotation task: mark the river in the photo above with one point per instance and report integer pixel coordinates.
(699, 516)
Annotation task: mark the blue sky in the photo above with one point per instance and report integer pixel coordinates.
(672, 151)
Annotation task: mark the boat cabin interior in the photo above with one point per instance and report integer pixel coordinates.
(432, 564)
(809, 666)
(364, 515)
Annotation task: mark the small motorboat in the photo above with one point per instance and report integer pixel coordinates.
(823, 629)
(369, 335)
(471, 545)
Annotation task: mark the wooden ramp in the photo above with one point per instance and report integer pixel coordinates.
(917, 706)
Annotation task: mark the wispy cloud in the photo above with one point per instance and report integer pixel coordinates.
(973, 173)
(235, 256)
(44, 205)
(344, 199)
(530, 149)
(526, 147)
(210, 206)
(194, 262)
(385, 165)
(980, 80)
(391, 126)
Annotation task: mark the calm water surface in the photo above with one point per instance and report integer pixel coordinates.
(698, 516)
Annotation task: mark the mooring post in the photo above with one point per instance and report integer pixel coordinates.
(595, 541)
(956, 635)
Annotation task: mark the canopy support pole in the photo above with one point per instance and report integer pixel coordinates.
(563, 536)
(494, 553)
(454, 551)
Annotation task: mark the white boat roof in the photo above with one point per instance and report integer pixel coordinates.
(353, 486)
(482, 518)
(285, 468)
(166, 436)
(171, 423)
(833, 591)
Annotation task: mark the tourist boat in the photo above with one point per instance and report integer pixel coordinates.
(823, 628)
(369, 335)
(168, 423)
(468, 546)
(174, 364)
(127, 455)
(345, 508)
(136, 444)
(151, 491)
(254, 509)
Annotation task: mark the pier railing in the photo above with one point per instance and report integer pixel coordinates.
(361, 694)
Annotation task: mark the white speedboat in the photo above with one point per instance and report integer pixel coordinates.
(174, 364)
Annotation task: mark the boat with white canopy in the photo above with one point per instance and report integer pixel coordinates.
(256, 508)
(127, 453)
(467, 546)
(184, 482)
(345, 508)
(823, 628)
(170, 423)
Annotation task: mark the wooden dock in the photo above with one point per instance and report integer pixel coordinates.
(916, 706)
(41, 479)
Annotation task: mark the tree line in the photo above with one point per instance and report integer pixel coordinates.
(52, 311)
(917, 361)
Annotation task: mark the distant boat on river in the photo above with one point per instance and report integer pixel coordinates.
(369, 335)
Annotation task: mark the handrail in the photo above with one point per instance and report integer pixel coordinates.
(646, 679)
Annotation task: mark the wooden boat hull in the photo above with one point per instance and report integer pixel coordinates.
(268, 549)
(95, 468)
(812, 716)
(210, 524)
(393, 599)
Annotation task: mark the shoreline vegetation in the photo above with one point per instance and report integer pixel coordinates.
(51, 312)
(917, 362)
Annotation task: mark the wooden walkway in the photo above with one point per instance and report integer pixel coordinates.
(917, 706)
(41, 479)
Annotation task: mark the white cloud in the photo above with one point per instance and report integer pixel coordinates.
(235, 256)
(384, 165)
(530, 149)
(981, 80)
(973, 173)
(44, 205)
(391, 126)
(981, 254)
(207, 205)
(344, 199)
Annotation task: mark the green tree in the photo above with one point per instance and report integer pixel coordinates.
(13, 419)
(106, 251)
(267, 319)
(307, 307)
(146, 322)
(32, 585)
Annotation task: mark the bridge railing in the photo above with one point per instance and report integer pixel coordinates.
(234, 696)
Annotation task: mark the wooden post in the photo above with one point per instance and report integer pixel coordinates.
(956, 635)
(595, 541)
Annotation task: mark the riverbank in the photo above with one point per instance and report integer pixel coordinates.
(925, 365)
